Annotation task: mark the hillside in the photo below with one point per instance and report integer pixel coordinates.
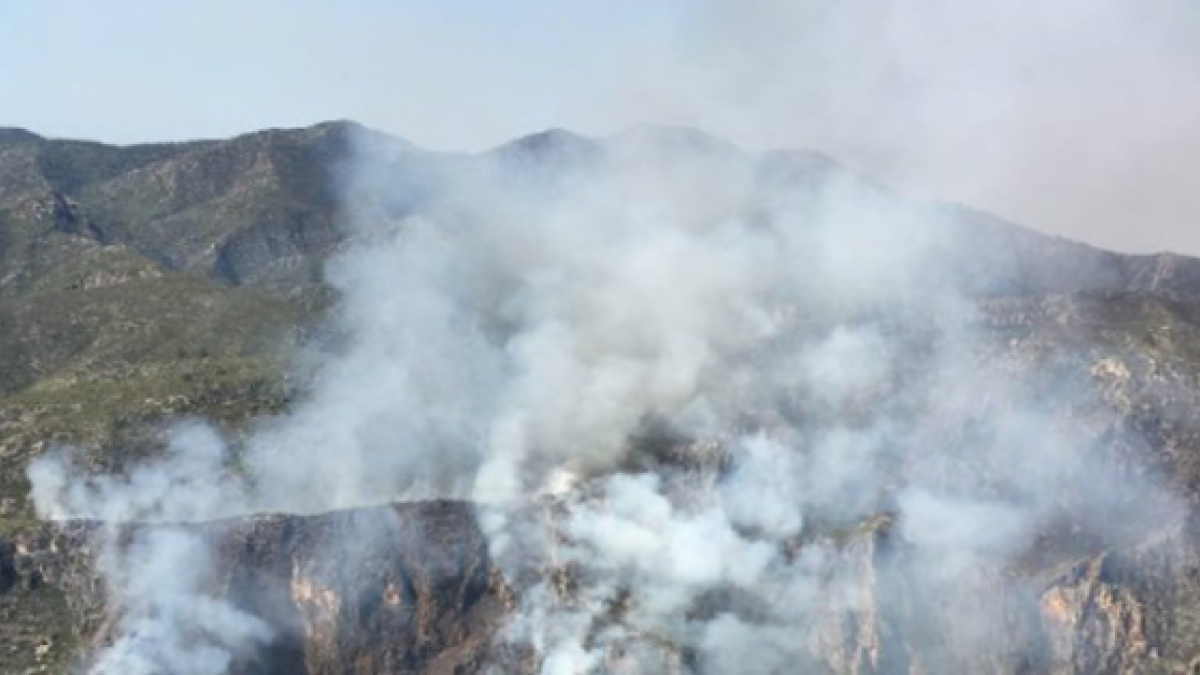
(143, 284)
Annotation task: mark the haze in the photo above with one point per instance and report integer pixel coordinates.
(1078, 117)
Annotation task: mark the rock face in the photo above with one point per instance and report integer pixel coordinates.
(409, 589)
(1129, 611)
(1120, 612)
(401, 589)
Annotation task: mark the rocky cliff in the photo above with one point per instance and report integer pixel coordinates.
(423, 597)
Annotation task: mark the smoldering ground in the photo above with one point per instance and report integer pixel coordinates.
(703, 398)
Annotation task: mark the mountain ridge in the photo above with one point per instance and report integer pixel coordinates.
(93, 173)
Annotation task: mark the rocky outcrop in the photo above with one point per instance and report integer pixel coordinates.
(409, 589)
(401, 589)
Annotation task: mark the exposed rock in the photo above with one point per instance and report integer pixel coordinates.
(402, 589)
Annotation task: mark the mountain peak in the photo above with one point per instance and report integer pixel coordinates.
(550, 144)
(13, 135)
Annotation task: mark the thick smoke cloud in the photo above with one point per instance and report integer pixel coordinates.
(686, 386)
(1075, 116)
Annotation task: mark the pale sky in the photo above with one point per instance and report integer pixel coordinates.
(1078, 117)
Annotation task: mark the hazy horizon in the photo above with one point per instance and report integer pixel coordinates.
(1081, 119)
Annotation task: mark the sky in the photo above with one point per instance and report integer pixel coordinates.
(1077, 117)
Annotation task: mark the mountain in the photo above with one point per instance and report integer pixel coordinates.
(146, 283)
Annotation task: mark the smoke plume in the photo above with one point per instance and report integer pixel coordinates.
(1075, 117)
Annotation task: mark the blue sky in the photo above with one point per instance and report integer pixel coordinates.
(1078, 117)
(442, 72)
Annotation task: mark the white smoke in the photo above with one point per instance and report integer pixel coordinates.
(169, 623)
(681, 354)
(1076, 117)
(190, 482)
